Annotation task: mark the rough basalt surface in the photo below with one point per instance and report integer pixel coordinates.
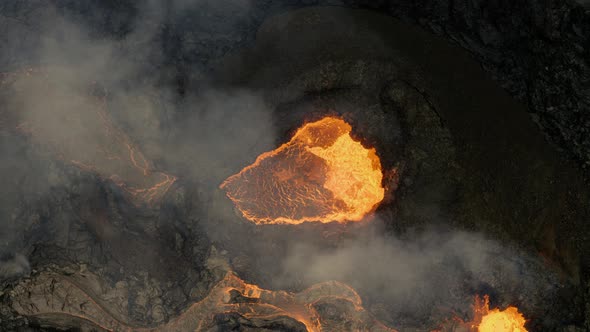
(537, 50)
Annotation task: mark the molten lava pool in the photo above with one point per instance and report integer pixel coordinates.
(322, 174)
(496, 320)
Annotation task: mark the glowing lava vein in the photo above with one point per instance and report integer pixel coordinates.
(77, 128)
(322, 174)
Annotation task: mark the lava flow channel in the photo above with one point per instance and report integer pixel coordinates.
(322, 174)
(77, 128)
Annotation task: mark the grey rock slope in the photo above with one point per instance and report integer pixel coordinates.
(537, 50)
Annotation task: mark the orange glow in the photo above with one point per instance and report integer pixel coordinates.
(313, 308)
(496, 320)
(232, 294)
(322, 174)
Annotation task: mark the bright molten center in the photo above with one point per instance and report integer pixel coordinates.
(509, 320)
(496, 320)
(322, 174)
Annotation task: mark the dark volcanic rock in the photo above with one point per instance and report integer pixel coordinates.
(235, 322)
(538, 50)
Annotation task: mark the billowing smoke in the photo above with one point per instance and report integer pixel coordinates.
(67, 71)
(13, 266)
(424, 275)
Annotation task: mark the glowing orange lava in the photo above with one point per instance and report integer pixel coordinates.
(322, 174)
(496, 320)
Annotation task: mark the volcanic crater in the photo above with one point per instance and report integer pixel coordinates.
(336, 170)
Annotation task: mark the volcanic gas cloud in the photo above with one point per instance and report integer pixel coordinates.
(321, 174)
(76, 127)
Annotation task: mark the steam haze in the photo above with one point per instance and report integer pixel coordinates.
(434, 270)
(51, 117)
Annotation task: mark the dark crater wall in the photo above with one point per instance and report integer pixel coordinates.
(537, 50)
